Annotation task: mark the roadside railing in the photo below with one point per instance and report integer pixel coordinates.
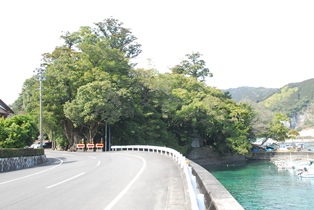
(196, 199)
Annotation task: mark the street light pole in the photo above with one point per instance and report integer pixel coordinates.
(40, 72)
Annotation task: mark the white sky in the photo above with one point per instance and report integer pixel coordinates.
(267, 43)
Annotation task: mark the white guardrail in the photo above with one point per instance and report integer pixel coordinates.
(197, 200)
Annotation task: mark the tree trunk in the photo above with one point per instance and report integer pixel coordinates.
(69, 132)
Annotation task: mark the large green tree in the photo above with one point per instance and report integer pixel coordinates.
(267, 125)
(88, 55)
(278, 130)
(193, 66)
(95, 103)
(119, 37)
(186, 107)
(147, 126)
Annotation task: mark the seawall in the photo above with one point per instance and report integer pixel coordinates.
(281, 155)
(216, 196)
(15, 163)
(206, 156)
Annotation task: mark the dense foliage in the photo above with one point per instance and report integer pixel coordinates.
(17, 132)
(91, 81)
(193, 66)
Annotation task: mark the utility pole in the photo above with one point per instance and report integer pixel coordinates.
(40, 72)
(107, 142)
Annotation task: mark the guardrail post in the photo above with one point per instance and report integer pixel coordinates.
(182, 161)
(191, 190)
(193, 180)
(190, 170)
(200, 201)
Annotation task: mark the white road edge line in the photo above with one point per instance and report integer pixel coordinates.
(98, 163)
(65, 180)
(23, 177)
(114, 201)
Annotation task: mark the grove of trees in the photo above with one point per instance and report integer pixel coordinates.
(92, 80)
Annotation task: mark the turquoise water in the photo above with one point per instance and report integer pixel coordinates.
(259, 185)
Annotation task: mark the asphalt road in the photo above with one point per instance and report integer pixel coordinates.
(96, 180)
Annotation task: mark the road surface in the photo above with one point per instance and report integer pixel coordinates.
(96, 180)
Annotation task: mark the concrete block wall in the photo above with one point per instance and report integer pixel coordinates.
(15, 163)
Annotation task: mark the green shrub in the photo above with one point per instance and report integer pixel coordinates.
(3, 132)
(8, 153)
(17, 132)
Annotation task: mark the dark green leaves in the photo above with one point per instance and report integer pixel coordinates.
(17, 131)
(193, 66)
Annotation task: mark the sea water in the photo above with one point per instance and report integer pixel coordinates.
(259, 185)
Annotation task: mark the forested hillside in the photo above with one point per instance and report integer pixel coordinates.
(250, 94)
(294, 99)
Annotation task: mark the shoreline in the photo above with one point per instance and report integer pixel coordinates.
(307, 140)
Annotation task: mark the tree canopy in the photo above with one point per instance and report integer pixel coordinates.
(193, 66)
(91, 79)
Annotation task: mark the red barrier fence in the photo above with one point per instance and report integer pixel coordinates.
(99, 146)
(89, 147)
(80, 146)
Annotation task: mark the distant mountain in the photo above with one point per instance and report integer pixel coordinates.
(271, 97)
(294, 99)
(250, 94)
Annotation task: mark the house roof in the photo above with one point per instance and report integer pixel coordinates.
(5, 108)
(2, 111)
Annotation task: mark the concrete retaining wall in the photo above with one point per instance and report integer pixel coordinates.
(206, 156)
(14, 163)
(216, 196)
(281, 155)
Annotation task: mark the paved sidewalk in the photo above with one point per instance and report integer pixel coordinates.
(178, 196)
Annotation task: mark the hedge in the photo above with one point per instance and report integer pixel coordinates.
(15, 152)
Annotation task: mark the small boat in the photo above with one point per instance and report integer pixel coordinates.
(306, 172)
(307, 176)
